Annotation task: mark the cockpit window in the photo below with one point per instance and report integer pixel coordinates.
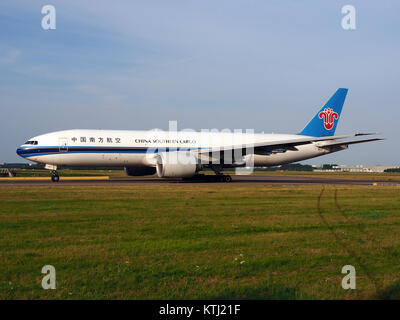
(31, 142)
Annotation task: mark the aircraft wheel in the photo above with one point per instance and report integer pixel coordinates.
(55, 177)
(227, 178)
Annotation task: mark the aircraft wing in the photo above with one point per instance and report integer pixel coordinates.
(289, 144)
(268, 146)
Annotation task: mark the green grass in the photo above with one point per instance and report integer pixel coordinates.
(388, 177)
(175, 241)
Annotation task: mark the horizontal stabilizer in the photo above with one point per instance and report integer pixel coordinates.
(346, 143)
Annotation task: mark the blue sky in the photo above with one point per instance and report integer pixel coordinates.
(264, 65)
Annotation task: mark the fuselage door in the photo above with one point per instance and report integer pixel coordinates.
(63, 144)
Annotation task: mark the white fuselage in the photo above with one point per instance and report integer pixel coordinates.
(123, 148)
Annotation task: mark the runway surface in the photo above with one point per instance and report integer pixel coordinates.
(279, 180)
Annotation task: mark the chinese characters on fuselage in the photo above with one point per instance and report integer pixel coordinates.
(93, 140)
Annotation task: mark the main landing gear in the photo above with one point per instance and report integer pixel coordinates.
(54, 176)
(219, 176)
(222, 178)
(210, 178)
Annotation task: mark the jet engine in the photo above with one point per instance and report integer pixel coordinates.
(176, 164)
(139, 171)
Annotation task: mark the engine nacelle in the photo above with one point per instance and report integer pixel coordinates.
(139, 171)
(176, 164)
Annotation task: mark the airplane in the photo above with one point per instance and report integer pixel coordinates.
(184, 154)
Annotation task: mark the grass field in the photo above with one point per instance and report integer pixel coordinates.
(385, 176)
(228, 241)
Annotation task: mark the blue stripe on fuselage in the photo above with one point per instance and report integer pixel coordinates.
(41, 151)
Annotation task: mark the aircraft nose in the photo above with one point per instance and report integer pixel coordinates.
(19, 151)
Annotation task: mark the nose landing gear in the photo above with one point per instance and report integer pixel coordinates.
(54, 176)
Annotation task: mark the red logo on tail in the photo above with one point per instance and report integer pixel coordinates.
(329, 117)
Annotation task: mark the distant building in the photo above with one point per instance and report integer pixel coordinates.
(358, 168)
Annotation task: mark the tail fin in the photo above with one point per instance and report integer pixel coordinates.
(325, 121)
